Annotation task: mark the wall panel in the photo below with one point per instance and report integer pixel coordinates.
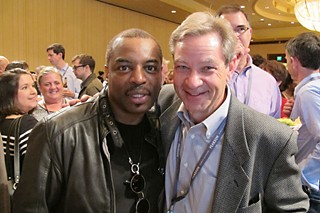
(82, 26)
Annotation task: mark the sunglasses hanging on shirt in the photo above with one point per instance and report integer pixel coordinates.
(137, 184)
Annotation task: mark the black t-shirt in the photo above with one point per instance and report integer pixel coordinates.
(140, 151)
(27, 123)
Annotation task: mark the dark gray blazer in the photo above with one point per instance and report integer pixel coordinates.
(257, 171)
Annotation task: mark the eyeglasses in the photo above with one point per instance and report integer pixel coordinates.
(137, 184)
(76, 67)
(241, 29)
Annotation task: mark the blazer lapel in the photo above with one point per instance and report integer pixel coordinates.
(169, 123)
(232, 179)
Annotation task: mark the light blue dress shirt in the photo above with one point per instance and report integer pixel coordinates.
(194, 143)
(257, 89)
(307, 107)
(73, 82)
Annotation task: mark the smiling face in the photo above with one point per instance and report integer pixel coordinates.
(26, 98)
(200, 74)
(134, 78)
(51, 87)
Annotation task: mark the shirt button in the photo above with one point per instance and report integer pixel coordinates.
(192, 136)
(182, 192)
(185, 165)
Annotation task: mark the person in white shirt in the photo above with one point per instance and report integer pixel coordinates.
(56, 55)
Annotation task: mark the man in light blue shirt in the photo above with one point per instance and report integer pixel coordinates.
(222, 156)
(56, 55)
(251, 85)
(303, 59)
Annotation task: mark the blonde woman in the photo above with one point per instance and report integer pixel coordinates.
(51, 87)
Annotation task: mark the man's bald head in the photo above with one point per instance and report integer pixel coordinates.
(3, 63)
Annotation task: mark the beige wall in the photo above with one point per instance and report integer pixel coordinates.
(264, 49)
(82, 26)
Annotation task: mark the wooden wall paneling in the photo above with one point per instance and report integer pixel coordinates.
(82, 26)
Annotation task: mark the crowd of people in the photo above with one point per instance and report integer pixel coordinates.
(209, 141)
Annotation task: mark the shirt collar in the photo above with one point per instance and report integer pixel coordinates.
(305, 81)
(246, 68)
(213, 121)
(65, 68)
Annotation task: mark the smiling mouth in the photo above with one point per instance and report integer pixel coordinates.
(137, 95)
(194, 94)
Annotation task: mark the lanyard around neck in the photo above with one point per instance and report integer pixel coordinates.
(204, 157)
(65, 71)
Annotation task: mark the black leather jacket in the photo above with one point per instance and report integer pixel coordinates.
(67, 167)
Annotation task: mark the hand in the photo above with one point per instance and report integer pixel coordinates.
(83, 99)
(287, 108)
(68, 93)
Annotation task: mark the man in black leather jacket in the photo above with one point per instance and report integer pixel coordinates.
(104, 155)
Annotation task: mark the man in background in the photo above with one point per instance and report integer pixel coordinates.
(56, 56)
(251, 85)
(3, 63)
(83, 68)
(303, 60)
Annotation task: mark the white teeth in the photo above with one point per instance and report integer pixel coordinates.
(137, 95)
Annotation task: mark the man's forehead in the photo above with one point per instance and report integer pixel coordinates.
(136, 45)
(134, 41)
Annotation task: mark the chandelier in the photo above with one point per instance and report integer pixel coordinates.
(308, 14)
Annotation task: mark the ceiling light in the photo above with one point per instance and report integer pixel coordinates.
(261, 19)
(269, 24)
(242, 6)
(173, 11)
(307, 13)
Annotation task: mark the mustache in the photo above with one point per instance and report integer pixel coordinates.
(134, 88)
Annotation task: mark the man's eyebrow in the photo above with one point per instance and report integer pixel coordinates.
(153, 61)
(241, 25)
(119, 60)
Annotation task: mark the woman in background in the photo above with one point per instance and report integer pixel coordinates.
(18, 97)
(51, 87)
(283, 78)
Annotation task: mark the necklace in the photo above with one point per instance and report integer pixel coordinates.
(134, 166)
(133, 136)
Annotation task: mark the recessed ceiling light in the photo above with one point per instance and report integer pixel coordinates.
(253, 14)
(173, 11)
(269, 24)
(242, 6)
(292, 22)
(262, 19)
(267, 7)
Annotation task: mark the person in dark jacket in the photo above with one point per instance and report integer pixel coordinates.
(83, 68)
(103, 155)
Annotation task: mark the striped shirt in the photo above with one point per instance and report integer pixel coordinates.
(27, 123)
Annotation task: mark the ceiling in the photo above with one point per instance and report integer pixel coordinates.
(271, 20)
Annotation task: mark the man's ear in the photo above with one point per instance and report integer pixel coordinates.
(295, 62)
(231, 67)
